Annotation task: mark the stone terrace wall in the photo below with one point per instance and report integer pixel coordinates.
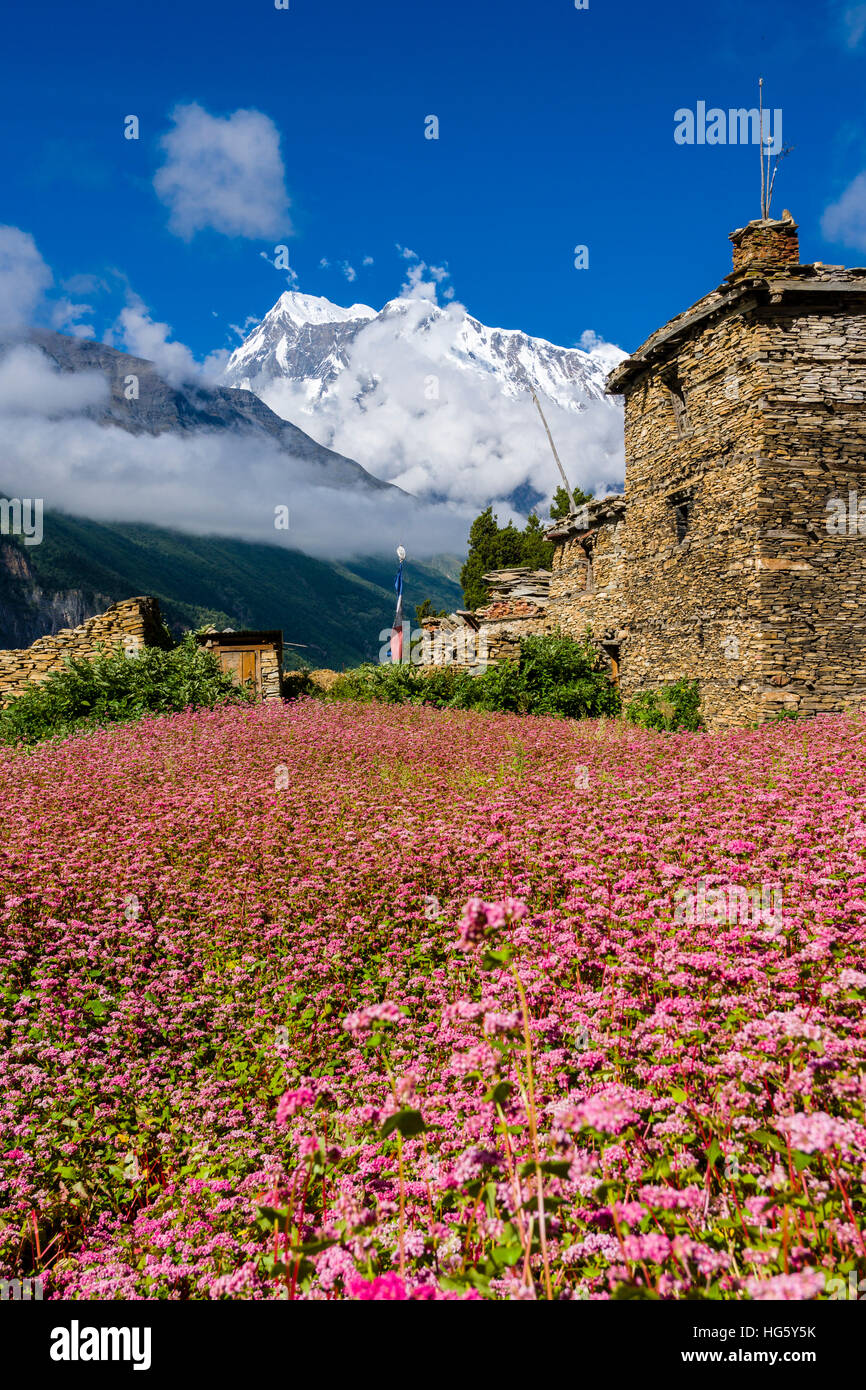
(130, 625)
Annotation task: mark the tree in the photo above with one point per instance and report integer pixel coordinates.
(495, 547)
(483, 556)
(425, 610)
(560, 506)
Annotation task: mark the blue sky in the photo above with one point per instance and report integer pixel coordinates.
(555, 130)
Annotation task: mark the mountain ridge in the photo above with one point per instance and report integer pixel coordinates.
(435, 401)
(334, 610)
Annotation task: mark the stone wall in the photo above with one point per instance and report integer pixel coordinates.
(761, 245)
(744, 418)
(272, 676)
(518, 601)
(811, 565)
(129, 626)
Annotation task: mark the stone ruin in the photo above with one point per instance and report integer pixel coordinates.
(735, 555)
(128, 626)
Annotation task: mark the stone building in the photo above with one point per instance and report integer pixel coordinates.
(255, 657)
(475, 640)
(736, 555)
(130, 626)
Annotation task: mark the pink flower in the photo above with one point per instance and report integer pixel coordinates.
(363, 1019)
(609, 1111)
(653, 1247)
(406, 1087)
(292, 1102)
(482, 919)
(815, 1133)
(382, 1287)
(807, 1284)
(501, 1023)
(473, 924)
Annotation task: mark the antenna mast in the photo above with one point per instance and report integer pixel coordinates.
(571, 501)
(763, 177)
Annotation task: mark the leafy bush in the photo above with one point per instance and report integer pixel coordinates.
(113, 687)
(670, 707)
(391, 685)
(553, 676)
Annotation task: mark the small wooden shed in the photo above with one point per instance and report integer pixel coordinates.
(249, 656)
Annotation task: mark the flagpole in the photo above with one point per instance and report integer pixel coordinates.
(397, 629)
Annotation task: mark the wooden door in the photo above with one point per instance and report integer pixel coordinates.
(250, 669)
(242, 666)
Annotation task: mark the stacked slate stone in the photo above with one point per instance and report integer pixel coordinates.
(741, 559)
(128, 626)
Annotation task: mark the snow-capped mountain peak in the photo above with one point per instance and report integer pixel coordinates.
(301, 309)
(428, 397)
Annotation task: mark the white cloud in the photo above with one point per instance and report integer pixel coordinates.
(854, 24)
(85, 284)
(31, 384)
(219, 482)
(416, 286)
(349, 271)
(65, 318)
(845, 220)
(368, 260)
(251, 321)
(144, 337)
(24, 278)
(608, 354)
(411, 409)
(224, 173)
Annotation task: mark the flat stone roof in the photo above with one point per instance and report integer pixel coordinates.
(743, 289)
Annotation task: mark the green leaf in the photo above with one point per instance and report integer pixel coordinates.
(495, 960)
(713, 1152)
(275, 1213)
(507, 1254)
(557, 1168)
(312, 1247)
(408, 1122)
(499, 1093)
(763, 1136)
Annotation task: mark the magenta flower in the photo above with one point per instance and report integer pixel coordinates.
(384, 1286)
(364, 1019)
(293, 1102)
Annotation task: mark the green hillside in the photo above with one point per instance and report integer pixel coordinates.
(336, 609)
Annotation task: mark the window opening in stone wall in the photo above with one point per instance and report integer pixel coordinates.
(683, 506)
(678, 402)
(611, 651)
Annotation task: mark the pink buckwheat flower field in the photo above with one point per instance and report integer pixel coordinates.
(367, 1002)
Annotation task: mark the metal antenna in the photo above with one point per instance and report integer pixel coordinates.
(571, 501)
(763, 177)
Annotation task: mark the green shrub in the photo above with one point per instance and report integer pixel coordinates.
(553, 676)
(670, 707)
(113, 687)
(392, 685)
